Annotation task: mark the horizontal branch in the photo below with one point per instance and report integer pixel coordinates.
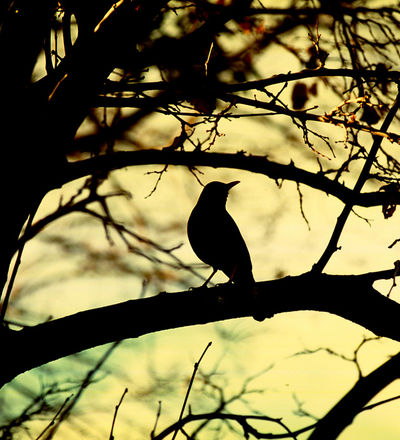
(305, 116)
(327, 9)
(351, 297)
(271, 107)
(176, 92)
(367, 74)
(239, 161)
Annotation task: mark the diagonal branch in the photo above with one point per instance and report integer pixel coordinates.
(196, 367)
(332, 246)
(343, 413)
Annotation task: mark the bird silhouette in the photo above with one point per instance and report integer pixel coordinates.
(215, 237)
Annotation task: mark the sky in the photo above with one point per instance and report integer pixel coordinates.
(286, 355)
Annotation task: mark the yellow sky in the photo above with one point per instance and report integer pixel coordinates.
(279, 242)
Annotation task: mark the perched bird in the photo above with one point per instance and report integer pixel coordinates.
(215, 237)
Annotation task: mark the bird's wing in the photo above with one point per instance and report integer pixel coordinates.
(215, 238)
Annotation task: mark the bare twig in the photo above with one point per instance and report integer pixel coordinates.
(160, 175)
(353, 359)
(111, 437)
(243, 420)
(153, 431)
(85, 383)
(303, 214)
(196, 367)
(54, 418)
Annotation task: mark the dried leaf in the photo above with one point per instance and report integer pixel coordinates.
(299, 95)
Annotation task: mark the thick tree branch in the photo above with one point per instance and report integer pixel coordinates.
(239, 161)
(94, 58)
(343, 413)
(25, 157)
(350, 296)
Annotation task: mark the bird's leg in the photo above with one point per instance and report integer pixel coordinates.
(209, 278)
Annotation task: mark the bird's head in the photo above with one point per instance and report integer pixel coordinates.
(216, 193)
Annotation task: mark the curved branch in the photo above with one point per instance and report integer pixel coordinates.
(239, 161)
(349, 296)
(282, 78)
(244, 420)
(343, 413)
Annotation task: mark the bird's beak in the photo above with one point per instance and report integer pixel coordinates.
(231, 184)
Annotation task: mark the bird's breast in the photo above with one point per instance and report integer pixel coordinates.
(214, 236)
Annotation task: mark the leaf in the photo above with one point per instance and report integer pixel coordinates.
(389, 209)
(204, 104)
(313, 89)
(370, 115)
(299, 95)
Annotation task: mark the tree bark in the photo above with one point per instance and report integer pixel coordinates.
(239, 161)
(349, 296)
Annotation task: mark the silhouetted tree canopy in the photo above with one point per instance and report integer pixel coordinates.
(79, 77)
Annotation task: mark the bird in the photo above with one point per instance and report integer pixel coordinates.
(215, 238)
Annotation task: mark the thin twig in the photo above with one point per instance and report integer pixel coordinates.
(115, 414)
(196, 367)
(54, 418)
(83, 386)
(303, 214)
(153, 431)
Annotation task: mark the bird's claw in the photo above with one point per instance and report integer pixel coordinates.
(228, 283)
(193, 288)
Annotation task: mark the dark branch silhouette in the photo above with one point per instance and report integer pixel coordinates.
(79, 78)
(337, 294)
(252, 163)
